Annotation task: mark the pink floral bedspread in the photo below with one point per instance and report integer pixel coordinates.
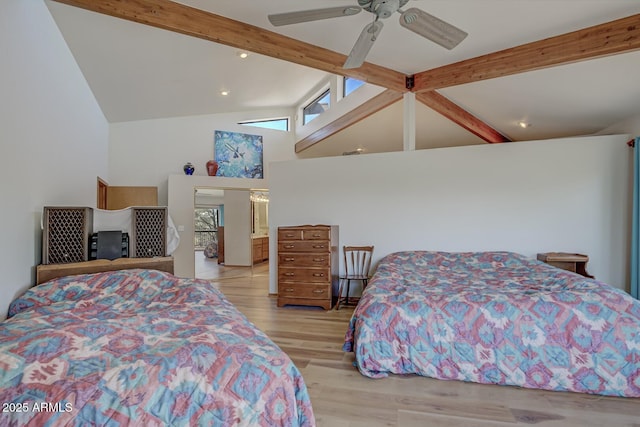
(496, 318)
(142, 348)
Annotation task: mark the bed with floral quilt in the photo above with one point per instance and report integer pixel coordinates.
(142, 348)
(496, 318)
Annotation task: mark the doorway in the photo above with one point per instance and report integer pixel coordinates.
(225, 234)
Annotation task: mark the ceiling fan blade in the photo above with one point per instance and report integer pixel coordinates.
(363, 45)
(287, 18)
(432, 28)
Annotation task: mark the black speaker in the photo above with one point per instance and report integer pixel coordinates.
(148, 232)
(65, 234)
(109, 245)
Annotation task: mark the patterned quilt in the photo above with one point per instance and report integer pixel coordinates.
(496, 318)
(142, 348)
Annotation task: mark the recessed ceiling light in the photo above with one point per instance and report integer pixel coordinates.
(523, 124)
(224, 92)
(243, 55)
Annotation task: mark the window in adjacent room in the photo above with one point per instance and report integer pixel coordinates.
(207, 220)
(350, 84)
(277, 124)
(316, 107)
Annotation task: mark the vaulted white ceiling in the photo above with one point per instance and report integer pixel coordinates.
(140, 72)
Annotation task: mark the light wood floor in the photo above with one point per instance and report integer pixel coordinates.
(341, 396)
(208, 268)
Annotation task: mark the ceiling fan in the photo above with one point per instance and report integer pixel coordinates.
(414, 19)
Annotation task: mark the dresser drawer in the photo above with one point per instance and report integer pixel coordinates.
(308, 274)
(289, 234)
(318, 234)
(304, 246)
(304, 259)
(302, 290)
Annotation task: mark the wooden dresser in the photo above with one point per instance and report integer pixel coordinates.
(308, 265)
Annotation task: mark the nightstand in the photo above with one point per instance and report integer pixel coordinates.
(576, 263)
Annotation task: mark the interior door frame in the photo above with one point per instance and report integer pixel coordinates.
(101, 192)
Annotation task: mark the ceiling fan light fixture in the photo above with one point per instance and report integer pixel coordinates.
(432, 28)
(385, 8)
(414, 19)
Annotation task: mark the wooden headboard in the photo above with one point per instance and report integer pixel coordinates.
(45, 272)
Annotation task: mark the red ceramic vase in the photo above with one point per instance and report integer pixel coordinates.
(212, 167)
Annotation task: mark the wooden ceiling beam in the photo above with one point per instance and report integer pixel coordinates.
(619, 36)
(361, 112)
(198, 23)
(194, 22)
(460, 116)
(614, 37)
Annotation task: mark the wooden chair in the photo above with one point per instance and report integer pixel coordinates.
(357, 262)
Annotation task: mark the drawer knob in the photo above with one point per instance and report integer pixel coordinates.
(289, 290)
(318, 260)
(289, 246)
(289, 259)
(317, 235)
(289, 274)
(318, 246)
(290, 235)
(318, 274)
(318, 291)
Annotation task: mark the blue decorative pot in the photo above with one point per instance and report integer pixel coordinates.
(188, 169)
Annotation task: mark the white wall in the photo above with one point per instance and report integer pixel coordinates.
(53, 137)
(146, 152)
(237, 228)
(558, 195)
(152, 152)
(216, 199)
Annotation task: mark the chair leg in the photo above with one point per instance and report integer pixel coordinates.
(346, 297)
(340, 294)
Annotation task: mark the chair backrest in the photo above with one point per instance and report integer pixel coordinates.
(357, 260)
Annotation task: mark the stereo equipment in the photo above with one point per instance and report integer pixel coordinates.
(148, 232)
(66, 234)
(109, 245)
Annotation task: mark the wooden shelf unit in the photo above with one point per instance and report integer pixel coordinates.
(576, 263)
(46, 272)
